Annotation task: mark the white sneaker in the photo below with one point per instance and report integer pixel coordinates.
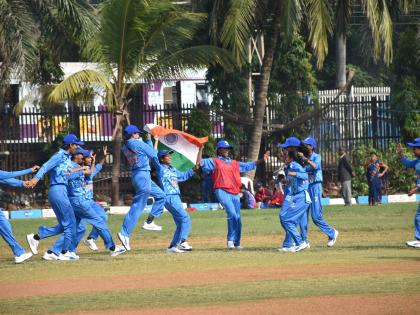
(184, 246)
(151, 226)
(33, 243)
(20, 259)
(230, 245)
(239, 247)
(118, 250)
(51, 256)
(287, 249)
(74, 255)
(89, 242)
(300, 247)
(413, 243)
(174, 250)
(68, 256)
(332, 242)
(125, 240)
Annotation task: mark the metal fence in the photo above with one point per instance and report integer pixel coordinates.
(358, 119)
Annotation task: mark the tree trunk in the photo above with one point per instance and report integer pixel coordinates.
(340, 55)
(116, 166)
(263, 82)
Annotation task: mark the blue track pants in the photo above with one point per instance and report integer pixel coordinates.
(7, 234)
(232, 205)
(181, 218)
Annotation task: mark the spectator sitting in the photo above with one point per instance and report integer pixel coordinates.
(247, 198)
(263, 196)
(276, 200)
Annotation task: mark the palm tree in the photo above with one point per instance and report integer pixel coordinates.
(138, 41)
(24, 22)
(284, 18)
(379, 25)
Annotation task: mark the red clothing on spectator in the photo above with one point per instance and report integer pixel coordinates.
(276, 199)
(262, 194)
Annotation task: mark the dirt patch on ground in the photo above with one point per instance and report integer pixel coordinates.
(196, 277)
(325, 305)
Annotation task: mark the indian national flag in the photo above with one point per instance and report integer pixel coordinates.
(184, 145)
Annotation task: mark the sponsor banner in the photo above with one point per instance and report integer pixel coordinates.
(363, 200)
(401, 198)
(26, 214)
(384, 199)
(206, 206)
(325, 201)
(48, 213)
(119, 210)
(337, 201)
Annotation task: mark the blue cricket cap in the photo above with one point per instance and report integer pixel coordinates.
(310, 141)
(130, 129)
(416, 143)
(162, 153)
(223, 144)
(80, 150)
(291, 142)
(72, 139)
(87, 153)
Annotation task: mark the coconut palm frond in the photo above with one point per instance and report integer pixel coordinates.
(80, 82)
(176, 64)
(18, 37)
(172, 31)
(320, 27)
(343, 12)
(214, 20)
(291, 17)
(380, 24)
(238, 27)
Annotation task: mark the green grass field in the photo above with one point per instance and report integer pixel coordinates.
(369, 271)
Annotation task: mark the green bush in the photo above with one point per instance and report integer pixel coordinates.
(399, 179)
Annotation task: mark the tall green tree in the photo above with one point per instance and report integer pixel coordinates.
(274, 18)
(33, 33)
(137, 41)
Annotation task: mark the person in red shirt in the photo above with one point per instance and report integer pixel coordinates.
(263, 196)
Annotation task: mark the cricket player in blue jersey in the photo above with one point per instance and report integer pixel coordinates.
(157, 193)
(314, 169)
(415, 164)
(296, 201)
(7, 178)
(82, 205)
(88, 158)
(58, 167)
(169, 177)
(137, 154)
(291, 144)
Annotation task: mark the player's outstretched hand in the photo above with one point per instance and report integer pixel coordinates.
(35, 168)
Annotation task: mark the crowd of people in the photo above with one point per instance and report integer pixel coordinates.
(297, 191)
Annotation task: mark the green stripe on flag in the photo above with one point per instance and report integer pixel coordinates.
(179, 161)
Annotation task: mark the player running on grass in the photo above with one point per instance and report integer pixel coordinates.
(89, 159)
(84, 209)
(296, 201)
(414, 163)
(137, 154)
(314, 170)
(169, 177)
(6, 232)
(58, 166)
(227, 185)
